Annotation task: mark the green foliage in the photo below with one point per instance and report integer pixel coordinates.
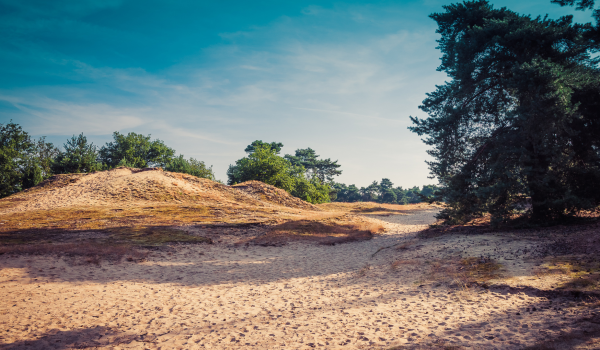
(135, 150)
(17, 166)
(263, 164)
(581, 4)
(192, 166)
(32, 174)
(346, 193)
(519, 117)
(45, 153)
(323, 169)
(275, 146)
(25, 162)
(78, 157)
(383, 192)
(312, 191)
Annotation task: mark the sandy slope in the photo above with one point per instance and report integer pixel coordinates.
(130, 187)
(298, 296)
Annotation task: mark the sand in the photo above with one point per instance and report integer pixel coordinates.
(131, 187)
(297, 296)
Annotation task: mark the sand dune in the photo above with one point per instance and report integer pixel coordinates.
(400, 289)
(298, 296)
(131, 187)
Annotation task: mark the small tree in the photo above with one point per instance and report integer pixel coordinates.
(135, 150)
(370, 193)
(17, 168)
(263, 165)
(78, 157)
(45, 154)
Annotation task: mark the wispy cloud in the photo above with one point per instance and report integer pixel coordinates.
(334, 79)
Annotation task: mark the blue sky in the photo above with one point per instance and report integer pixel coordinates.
(210, 77)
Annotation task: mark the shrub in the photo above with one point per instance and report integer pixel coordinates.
(192, 166)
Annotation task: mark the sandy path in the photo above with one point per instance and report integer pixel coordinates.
(293, 297)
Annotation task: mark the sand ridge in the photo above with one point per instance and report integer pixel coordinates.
(130, 187)
(297, 296)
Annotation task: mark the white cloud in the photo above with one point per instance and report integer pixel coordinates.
(347, 97)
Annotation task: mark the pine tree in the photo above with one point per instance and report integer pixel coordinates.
(519, 117)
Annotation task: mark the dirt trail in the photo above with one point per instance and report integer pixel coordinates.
(298, 296)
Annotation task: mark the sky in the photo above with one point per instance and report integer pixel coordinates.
(210, 77)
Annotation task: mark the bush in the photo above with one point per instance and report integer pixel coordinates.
(264, 165)
(312, 191)
(192, 166)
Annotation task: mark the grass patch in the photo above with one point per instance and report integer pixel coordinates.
(396, 265)
(154, 236)
(321, 229)
(93, 245)
(465, 272)
(371, 208)
(90, 252)
(584, 272)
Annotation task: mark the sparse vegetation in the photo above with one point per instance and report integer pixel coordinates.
(583, 272)
(464, 272)
(325, 229)
(89, 251)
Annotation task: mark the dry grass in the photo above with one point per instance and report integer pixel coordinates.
(464, 272)
(326, 229)
(363, 271)
(90, 252)
(405, 245)
(372, 208)
(402, 262)
(438, 344)
(583, 271)
(154, 236)
(144, 207)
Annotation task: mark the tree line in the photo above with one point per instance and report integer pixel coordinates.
(383, 192)
(25, 162)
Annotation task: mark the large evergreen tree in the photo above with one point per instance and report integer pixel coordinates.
(519, 117)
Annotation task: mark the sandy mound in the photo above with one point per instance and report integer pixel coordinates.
(129, 187)
(263, 192)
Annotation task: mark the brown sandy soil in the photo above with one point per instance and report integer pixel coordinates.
(403, 288)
